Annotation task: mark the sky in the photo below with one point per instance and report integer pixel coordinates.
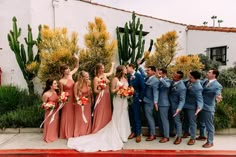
(191, 12)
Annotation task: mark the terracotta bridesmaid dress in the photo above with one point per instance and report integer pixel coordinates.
(67, 115)
(82, 128)
(50, 131)
(102, 112)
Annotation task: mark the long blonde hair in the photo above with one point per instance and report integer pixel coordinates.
(82, 80)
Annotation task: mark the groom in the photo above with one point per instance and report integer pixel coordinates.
(135, 80)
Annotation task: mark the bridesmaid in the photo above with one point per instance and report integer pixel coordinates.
(83, 88)
(66, 84)
(50, 131)
(102, 111)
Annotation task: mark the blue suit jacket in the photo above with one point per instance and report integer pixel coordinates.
(177, 95)
(151, 90)
(209, 94)
(137, 82)
(194, 97)
(164, 88)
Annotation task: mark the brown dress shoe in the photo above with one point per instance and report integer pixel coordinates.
(150, 138)
(132, 135)
(178, 140)
(185, 135)
(191, 142)
(207, 145)
(201, 138)
(164, 140)
(138, 139)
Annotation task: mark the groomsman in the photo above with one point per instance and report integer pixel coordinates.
(211, 93)
(193, 103)
(135, 80)
(177, 97)
(150, 99)
(164, 104)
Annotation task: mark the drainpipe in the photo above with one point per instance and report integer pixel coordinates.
(186, 30)
(55, 4)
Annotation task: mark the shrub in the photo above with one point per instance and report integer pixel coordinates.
(31, 116)
(99, 47)
(9, 98)
(225, 117)
(228, 78)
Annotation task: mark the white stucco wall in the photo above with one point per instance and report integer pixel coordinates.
(72, 14)
(199, 41)
(8, 9)
(75, 15)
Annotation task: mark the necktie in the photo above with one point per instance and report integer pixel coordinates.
(206, 83)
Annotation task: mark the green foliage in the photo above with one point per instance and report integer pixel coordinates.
(222, 116)
(12, 98)
(208, 63)
(131, 46)
(31, 116)
(99, 48)
(227, 77)
(225, 116)
(26, 60)
(18, 108)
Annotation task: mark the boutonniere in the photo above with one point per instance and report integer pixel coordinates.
(132, 77)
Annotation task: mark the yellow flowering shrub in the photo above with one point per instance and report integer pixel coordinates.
(165, 51)
(56, 48)
(99, 48)
(186, 63)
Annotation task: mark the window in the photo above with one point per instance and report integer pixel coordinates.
(218, 54)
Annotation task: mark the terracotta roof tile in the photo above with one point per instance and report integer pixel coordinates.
(217, 29)
(190, 27)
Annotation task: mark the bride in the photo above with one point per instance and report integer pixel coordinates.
(112, 136)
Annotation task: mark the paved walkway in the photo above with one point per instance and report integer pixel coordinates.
(34, 141)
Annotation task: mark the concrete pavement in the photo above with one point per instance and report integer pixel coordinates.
(34, 141)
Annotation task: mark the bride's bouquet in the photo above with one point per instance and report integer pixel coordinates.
(102, 84)
(48, 106)
(124, 91)
(82, 101)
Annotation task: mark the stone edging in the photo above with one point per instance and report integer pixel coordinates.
(230, 131)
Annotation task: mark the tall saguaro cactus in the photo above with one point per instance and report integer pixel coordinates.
(131, 46)
(26, 60)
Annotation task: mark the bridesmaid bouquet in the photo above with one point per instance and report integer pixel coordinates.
(63, 98)
(82, 101)
(102, 84)
(48, 106)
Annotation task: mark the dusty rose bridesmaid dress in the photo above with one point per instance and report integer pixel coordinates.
(82, 128)
(67, 115)
(102, 112)
(50, 131)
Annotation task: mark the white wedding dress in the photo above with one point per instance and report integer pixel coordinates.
(112, 136)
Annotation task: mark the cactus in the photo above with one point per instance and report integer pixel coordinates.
(131, 47)
(20, 53)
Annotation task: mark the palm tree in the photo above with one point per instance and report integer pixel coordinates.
(213, 18)
(205, 23)
(220, 21)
